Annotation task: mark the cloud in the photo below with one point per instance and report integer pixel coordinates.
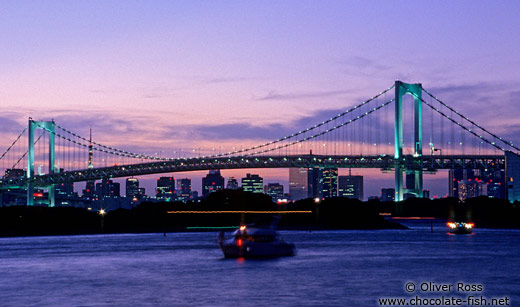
(217, 80)
(9, 125)
(360, 62)
(362, 66)
(273, 95)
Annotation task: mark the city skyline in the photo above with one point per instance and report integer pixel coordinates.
(160, 82)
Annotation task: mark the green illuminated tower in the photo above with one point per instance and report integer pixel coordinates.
(415, 90)
(49, 127)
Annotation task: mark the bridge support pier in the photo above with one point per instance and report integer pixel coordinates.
(415, 90)
(49, 127)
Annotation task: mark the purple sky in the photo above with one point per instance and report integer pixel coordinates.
(159, 75)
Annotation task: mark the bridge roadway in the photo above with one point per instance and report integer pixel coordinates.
(383, 162)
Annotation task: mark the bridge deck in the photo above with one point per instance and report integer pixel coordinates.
(384, 162)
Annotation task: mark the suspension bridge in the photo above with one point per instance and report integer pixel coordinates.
(404, 129)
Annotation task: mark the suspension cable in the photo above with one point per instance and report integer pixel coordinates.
(16, 140)
(460, 125)
(473, 123)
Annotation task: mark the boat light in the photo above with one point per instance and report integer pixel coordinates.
(239, 242)
(243, 227)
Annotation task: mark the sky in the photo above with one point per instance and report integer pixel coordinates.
(167, 76)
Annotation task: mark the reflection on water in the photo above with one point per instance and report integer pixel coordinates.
(340, 268)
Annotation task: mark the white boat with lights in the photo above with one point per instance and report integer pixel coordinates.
(255, 242)
(460, 227)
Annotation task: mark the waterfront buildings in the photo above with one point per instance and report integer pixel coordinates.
(132, 187)
(470, 183)
(253, 183)
(212, 182)
(513, 176)
(165, 189)
(350, 186)
(275, 190)
(107, 188)
(329, 182)
(298, 183)
(184, 189)
(315, 183)
(232, 183)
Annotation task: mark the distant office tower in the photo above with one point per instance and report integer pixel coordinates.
(298, 183)
(275, 190)
(487, 182)
(387, 194)
(253, 183)
(232, 183)
(90, 190)
(513, 176)
(495, 183)
(64, 190)
(212, 182)
(468, 189)
(184, 189)
(165, 189)
(132, 187)
(315, 182)
(107, 189)
(351, 187)
(330, 182)
(457, 175)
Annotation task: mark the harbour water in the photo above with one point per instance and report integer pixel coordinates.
(332, 268)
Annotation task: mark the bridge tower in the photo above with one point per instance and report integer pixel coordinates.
(415, 90)
(33, 126)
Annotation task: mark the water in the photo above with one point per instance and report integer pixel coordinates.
(332, 268)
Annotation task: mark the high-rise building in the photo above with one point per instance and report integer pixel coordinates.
(486, 181)
(108, 189)
(350, 186)
(387, 194)
(165, 189)
(253, 183)
(468, 189)
(495, 183)
(275, 190)
(184, 189)
(132, 187)
(64, 190)
(232, 183)
(330, 182)
(457, 175)
(315, 182)
(298, 183)
(90, 190)
(212, 182)
(513, 176)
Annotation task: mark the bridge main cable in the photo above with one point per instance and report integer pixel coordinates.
(509, 143)
(302, 131)
(464, 127)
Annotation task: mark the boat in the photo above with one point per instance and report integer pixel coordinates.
(255, 242)
(460, 227)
